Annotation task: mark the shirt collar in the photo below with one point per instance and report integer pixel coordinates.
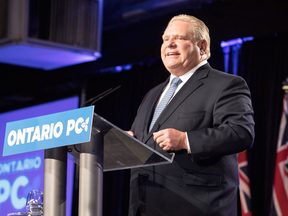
(187, 75)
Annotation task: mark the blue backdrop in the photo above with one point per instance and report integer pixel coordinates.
(21, 173)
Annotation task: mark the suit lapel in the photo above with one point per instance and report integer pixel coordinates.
(189, 87)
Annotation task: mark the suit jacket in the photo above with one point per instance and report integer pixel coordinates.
(215, 110)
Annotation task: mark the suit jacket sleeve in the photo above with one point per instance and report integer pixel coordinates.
(233, 124)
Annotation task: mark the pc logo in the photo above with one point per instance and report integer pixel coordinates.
(49, 131)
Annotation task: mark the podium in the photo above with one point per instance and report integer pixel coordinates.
(109, 149)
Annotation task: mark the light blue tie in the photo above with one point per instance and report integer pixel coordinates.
(175, 82)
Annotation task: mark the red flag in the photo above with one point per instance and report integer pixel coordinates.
(280, 188)
(245, 195)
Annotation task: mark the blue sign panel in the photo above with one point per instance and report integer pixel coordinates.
(17, 170)
(18, 176)
(49, 131)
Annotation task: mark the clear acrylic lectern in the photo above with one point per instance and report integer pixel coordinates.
(110, 148)
(121, 151)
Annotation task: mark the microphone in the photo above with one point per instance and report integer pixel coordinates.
(98, 97)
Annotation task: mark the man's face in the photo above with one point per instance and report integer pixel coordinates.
(179, 51)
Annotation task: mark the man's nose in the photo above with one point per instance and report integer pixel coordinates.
(171, 43)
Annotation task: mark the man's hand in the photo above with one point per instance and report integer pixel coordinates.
(130, 133)
(171, 139)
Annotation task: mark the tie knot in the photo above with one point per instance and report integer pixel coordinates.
(176, 81)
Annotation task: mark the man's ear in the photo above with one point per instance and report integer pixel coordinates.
(203, 46)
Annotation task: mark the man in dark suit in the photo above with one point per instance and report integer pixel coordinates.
(208, 120)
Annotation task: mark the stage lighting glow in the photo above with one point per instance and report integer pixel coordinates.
(235, 41)
(118, 68)
(43, 58)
